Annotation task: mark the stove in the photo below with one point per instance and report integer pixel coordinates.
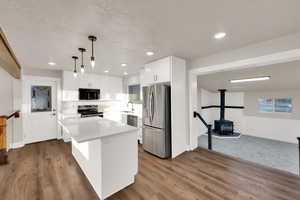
(89, 111)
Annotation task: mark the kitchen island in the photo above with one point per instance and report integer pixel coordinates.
(106, 151)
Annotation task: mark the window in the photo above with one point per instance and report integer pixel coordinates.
(277, 105)
(283, 105)
(41, 99)
(134, 93)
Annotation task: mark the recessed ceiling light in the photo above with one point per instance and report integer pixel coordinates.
(220, 35)
(149, 53)
(106, 71)
(51, 63)
(125, 73)
(123, 64)
(264, 78)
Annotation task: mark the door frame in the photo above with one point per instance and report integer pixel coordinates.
(25, 111)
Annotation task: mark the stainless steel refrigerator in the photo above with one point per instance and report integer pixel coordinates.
(157, 120)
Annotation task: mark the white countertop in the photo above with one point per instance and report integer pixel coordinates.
(87, 129)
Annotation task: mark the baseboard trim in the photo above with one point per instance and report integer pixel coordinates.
(16, 145)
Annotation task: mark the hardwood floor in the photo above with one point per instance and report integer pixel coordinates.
(47, 171)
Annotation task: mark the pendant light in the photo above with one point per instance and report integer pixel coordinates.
(93, 39)
(75, 62)
(82, 66)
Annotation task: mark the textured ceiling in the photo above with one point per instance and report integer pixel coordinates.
(283, 76)
(41, 31)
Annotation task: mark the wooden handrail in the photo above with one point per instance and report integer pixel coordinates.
(3, 132)
(15, 114)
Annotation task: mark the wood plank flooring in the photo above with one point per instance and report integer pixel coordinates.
(47, 171)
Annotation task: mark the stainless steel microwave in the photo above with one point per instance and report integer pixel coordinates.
(89, 94)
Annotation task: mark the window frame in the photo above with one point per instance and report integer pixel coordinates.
(260, 110)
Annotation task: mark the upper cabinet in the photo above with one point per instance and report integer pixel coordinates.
(157, 72)
(172, 70)
(110, 86)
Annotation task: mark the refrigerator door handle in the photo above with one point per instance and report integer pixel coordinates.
(152, 106)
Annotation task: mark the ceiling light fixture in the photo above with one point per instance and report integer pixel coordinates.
(82, 66)
(106, 71)
(51, 63)
(75, 62)
(123, 64)
(149, 53)
(93, 39)
(220, 35)
(264, 78)
(125, 73)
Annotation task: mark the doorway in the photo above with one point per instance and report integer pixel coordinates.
(40, 109)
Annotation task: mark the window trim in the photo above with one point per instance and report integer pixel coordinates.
(274, 105)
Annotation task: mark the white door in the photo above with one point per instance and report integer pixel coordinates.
(40, 118)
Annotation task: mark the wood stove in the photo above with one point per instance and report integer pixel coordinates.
(222, 126)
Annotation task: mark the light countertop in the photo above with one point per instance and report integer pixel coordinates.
(87, 129)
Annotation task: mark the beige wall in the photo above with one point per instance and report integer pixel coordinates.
(251, 103)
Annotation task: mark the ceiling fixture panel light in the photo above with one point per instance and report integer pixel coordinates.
(75, 69)
(220, 35)
(149, 53)
(106, 71)
(93, 39)
(264, 78)
(123, 64)
(82, 66)
(51, 63)
(125, 73)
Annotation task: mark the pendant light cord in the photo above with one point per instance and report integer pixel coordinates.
(92, 48)
(81, 58)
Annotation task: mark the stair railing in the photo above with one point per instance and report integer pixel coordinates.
(3, 145)
(299, 152)
(208, 126)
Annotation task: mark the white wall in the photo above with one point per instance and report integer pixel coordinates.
(231, 99)
(11, 98)
(281, 129)
(274, 51)
(286, 130)
(42, 72)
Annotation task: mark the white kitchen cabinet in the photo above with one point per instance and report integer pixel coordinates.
(147, 75)
(157, 72)
(69, 82)
(70, 87)
(172, 71)
(89, 81)
(110, 87)
(133, 79)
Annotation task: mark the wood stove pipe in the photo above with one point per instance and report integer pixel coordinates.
(222, 104)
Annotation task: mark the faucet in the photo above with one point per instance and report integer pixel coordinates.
(132, 108)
